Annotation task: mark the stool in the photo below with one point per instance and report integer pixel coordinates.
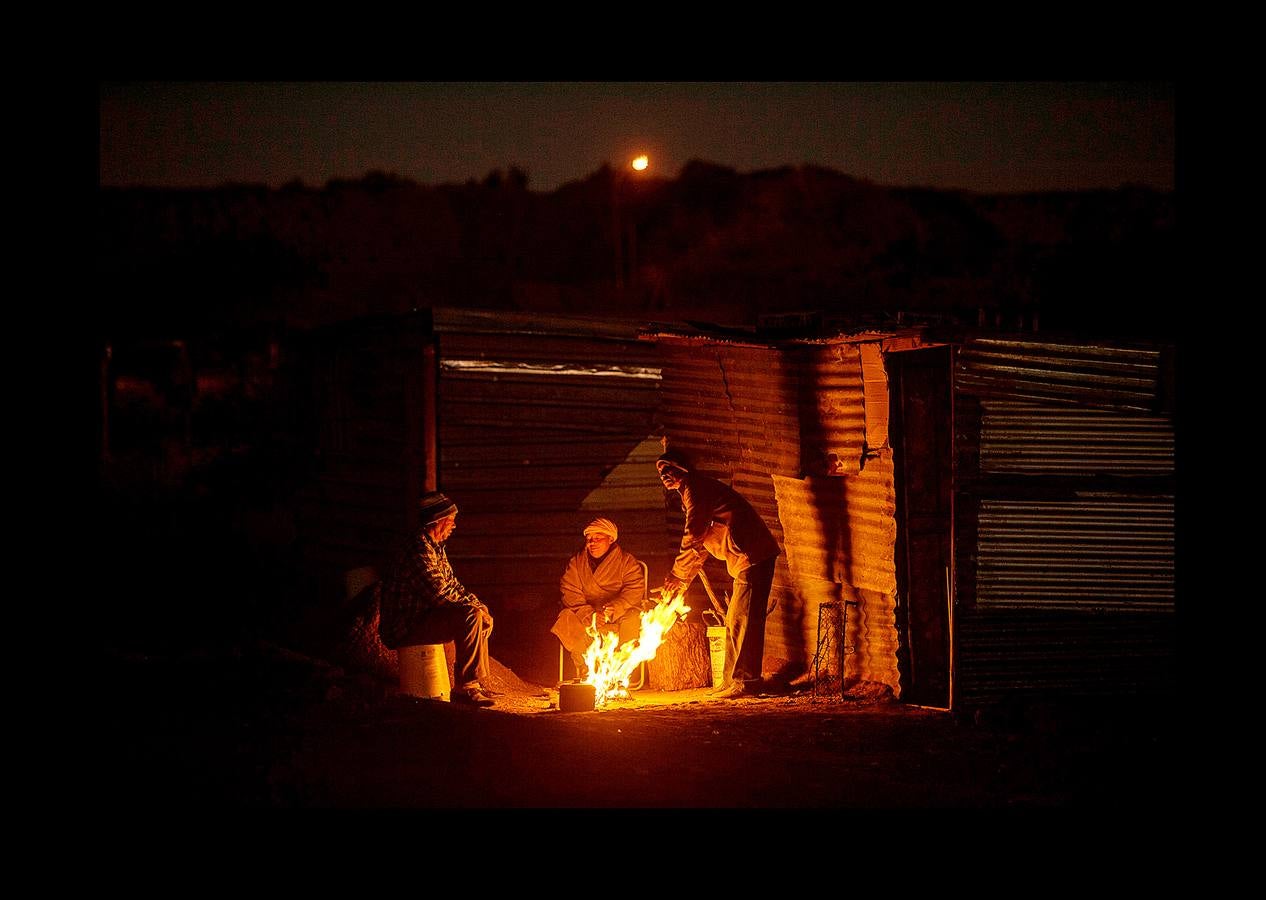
(424, 671)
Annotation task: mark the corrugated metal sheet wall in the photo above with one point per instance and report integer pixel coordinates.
(833, 408)
(760, 419)
(1040, 439)
(1099, 553)
(1069, 501)
(538, 434)
(1084, 375)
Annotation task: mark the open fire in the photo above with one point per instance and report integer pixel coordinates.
(611, 666)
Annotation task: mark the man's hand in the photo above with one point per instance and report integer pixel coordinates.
(673, 587)
(485, 617)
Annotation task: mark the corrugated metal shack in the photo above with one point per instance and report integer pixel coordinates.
(995, 516)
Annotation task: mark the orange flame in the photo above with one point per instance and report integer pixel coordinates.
(611, 666)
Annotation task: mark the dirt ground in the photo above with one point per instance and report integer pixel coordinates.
(257, 726)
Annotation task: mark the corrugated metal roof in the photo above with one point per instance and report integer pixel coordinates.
(1083, 374)
(1039, 438)
(467, 321)
(1107, 552)
(548, 350)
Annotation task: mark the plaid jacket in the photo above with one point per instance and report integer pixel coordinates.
(419, 580)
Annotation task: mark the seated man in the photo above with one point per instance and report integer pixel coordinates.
(600, 580)
(424, 603)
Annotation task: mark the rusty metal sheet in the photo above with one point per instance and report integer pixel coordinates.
(875, 392)
(871, 630)
(1083, 374)
(731, 408)
(746, 416)
(833, 410)
(841, 529)
(1113, 552)
(1044, 439)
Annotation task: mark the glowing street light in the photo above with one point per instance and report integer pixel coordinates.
(638, 164)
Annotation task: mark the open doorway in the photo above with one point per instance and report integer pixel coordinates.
(921, 435)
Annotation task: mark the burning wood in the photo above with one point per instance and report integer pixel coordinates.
(611, 666)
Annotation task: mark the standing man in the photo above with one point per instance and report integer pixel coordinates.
(721, 523)
(424, 603)
(602, 580)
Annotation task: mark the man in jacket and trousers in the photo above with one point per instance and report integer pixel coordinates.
(720, 522)
(424, 603)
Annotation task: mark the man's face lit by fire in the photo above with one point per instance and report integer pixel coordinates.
(440, 530)
(597, 543)
(670, 477)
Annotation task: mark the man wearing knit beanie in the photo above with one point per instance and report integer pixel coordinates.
(720, 522)
(603, 585)
(424, 603)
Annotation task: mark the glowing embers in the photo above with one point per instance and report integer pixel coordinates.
(611, 666)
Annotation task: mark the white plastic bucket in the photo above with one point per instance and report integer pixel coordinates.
(716, 648)
(424, 671)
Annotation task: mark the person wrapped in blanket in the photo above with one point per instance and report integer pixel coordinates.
(603, 585)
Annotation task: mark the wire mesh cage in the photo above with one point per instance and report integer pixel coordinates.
(828, 657)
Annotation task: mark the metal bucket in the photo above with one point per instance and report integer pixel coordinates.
(574, 696)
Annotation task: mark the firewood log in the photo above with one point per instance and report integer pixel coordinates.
(682, 660)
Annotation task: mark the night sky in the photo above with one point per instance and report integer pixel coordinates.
(974, 136)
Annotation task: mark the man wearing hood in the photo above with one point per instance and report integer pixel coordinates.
(720, 522)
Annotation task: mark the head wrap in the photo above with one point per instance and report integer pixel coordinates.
(602, 526)
(435, 506)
